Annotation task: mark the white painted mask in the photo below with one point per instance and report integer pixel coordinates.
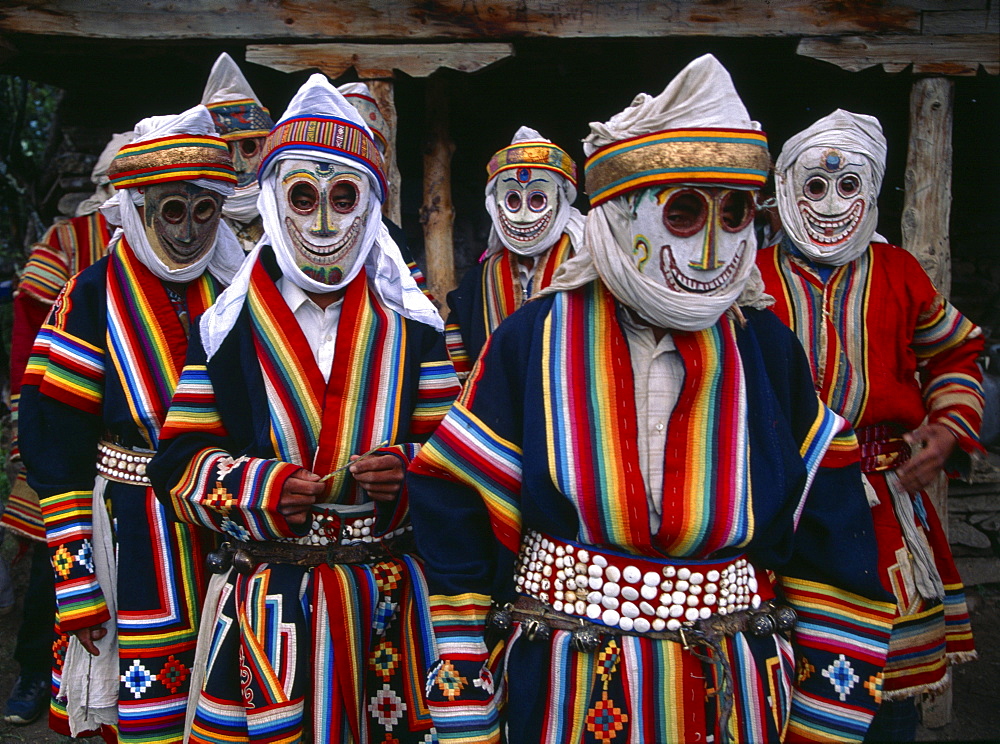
(691, 238)
(834, 196)
(324, 209)
(527, 202)
(181, 220)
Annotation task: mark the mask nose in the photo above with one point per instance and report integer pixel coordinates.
(323, 227)
(708, 258)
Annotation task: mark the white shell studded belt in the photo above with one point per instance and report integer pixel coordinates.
(633, 593)
(123, 465)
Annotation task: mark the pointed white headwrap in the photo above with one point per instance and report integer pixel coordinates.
(701, 96)
(567, 219)
(99, 175)
(388, 275)
(226, 83)
(225, 256)
(856, 133)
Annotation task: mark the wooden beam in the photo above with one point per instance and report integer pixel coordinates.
(377, 60)
(347, 20)
(933, 55)
(437, 213)
(382, 92)
(927, 196)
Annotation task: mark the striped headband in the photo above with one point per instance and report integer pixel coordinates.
(325, 134)
(181, 157)
(736, 158)
(240, 119)
(533, 155)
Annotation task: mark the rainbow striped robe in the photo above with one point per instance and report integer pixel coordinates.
(332, 653)
(67, 248)
(868, 330)
(103, 366)
(488, 293)
(543, 437)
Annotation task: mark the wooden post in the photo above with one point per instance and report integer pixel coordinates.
(437, 213)
(382, 91)
(926, 215)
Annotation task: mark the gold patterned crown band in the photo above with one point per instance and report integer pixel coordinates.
(176, 158)
(736, 158)
(326, 134)
(533, 155)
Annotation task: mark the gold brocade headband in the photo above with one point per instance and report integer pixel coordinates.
(736, 158)
(533, 155)
(176, 158)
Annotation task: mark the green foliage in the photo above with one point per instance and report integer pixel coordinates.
(28, 122)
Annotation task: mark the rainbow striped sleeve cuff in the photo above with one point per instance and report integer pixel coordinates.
(69, 531)
(841, 642)
(460, 685)
(956, 400)
(456, 350)
(193, 406)
(436, 391)
(67, 369)
(238, 497)
(45, 274)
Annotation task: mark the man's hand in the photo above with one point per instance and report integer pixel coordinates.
(381, 476)
(932, 445)
(298, 495)
(89, 636)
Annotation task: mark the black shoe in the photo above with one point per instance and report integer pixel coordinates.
(28, 700)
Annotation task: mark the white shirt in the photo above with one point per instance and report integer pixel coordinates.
(318, 325)
(659, 375)
(525, 274)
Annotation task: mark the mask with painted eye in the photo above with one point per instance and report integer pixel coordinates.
(181, 220)
(527, 201)
(828, 203)
(246, 154)
(324, 208)
(691, 239)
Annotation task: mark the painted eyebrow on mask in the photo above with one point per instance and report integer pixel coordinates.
(533, 180)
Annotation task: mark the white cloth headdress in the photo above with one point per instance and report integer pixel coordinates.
(99, 175)
(856, 133)
(567, 219)
(225, 89)
(388, 275)
(360, 96)
(225, 256)
(702, 96)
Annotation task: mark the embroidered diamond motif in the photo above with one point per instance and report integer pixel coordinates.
(605, 720)
(386, 707)
(384, 661)
(62, 562)
(449, 681)
(384, 613)
(841, 676)
(607, 661)
(874, 686)
(220, 500)
(137, 679)
(174, 674)
(85, 556)
(805, 670)
(235, 530)
(387, 577)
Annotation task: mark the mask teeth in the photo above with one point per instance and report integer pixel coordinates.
(350, 237)
(524, 234)
(842, 226)
(683, 283)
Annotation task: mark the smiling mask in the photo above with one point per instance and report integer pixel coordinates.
(324, 209)
(827, 180)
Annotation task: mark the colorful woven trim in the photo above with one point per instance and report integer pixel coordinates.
(240, 119)
(334, 135)
(371, 113)
(726, 157)
(533, 155)
(178, 158)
